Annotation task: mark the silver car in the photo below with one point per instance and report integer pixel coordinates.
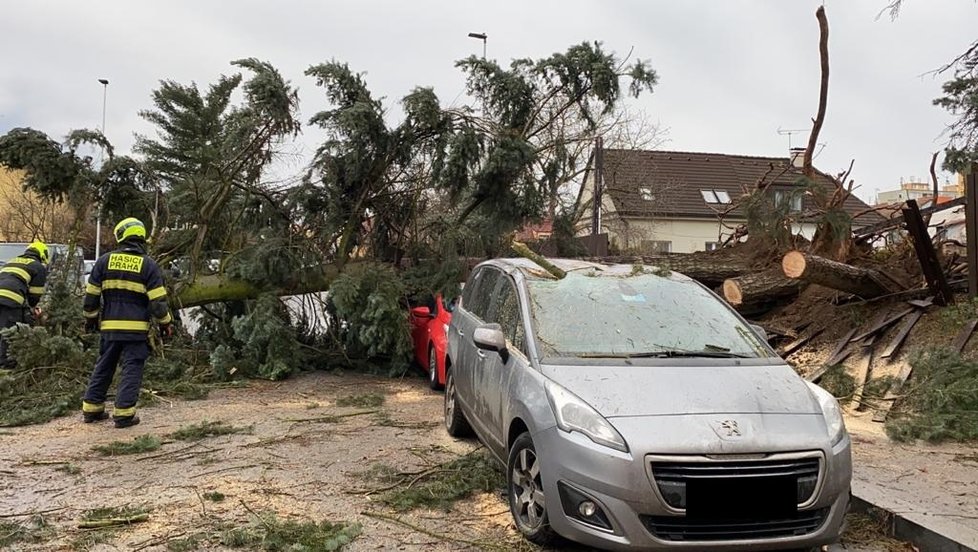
(634, 410)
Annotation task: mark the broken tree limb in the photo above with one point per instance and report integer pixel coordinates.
(215, 288)
(112, 522)
(823, 90)
(761, 287)
(863, 282)
(523, 251)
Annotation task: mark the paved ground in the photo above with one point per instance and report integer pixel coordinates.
(299, 461)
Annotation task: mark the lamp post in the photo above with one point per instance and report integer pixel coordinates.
(98, 216)
(482, 37)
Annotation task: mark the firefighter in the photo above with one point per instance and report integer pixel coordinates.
(125, 290)
(22, 282)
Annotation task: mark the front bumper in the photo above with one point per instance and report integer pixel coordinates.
(620, 484)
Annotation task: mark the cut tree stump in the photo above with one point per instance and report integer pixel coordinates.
(863, 282)
(768, 286)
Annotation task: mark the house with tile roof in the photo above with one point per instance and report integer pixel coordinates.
(671, 201)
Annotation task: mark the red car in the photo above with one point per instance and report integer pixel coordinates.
(429, 332)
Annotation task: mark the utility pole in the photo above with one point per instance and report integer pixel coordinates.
(98, 216)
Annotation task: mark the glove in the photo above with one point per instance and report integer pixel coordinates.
(166, 331)
(91, 325)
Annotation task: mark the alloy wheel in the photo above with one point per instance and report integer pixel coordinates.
(527, 489)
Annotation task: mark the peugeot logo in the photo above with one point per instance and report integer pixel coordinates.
(727, 429)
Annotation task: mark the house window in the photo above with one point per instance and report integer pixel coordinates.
(712, 246)
(792, 199)
(657, 246)
(714, 197)
(646, 194)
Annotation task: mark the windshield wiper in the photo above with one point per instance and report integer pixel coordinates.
(665, 354)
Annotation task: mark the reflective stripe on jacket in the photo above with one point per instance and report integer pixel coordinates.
(126, 289)
(22, 280)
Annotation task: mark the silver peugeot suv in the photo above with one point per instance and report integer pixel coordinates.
(634, 410)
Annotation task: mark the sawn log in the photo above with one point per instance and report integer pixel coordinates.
(863, 282)
(768, 286)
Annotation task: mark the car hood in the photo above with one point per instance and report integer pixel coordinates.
(656, 390)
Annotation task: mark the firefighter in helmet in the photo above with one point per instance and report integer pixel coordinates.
(125, 290)
(22, 281)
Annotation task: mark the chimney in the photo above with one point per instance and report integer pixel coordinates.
(797, 156)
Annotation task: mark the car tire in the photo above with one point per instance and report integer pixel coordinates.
(433, 368)
(527, 503)
(455, 421)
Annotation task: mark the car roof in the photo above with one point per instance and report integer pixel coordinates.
(531, 269)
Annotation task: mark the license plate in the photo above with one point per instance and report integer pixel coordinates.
(742, 498)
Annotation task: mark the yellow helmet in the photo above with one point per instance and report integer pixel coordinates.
(42, 250)
(128, 228)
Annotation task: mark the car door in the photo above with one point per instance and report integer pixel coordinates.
(495, 369)
(469, 316)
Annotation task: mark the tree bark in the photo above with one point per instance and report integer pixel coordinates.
(823, 90)
(710, 268)
(762, 287)
(864, 282)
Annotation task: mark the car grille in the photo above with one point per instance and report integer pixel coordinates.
(674, 528)
(671, 476)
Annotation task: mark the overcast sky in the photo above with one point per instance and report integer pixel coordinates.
(731, 73)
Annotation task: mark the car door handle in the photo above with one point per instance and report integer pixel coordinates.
(460, 332)
(481, 353)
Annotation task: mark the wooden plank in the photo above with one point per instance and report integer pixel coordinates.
(921, 303)
(891, 394)
(862, 375)
(875, 329)
(837, 355)
(790, 348)
(899, 338)
(962, 338)
(930, 265)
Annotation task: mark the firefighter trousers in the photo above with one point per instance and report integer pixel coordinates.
(132, 355)
(9, 316)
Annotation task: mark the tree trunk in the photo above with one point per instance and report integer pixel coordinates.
(762, 287)
(710, 268)
(215, 288)
(864, 282)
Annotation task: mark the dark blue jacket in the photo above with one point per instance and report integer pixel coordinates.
(127, 286)
(22, 280)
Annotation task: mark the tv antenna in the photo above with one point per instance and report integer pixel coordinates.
(789, 131)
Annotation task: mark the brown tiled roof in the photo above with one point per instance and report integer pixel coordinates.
(676, 178)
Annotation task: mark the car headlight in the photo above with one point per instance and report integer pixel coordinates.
(830, 411)
(573, 414)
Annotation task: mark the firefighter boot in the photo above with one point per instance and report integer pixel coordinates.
(125, 421)
(89, 417)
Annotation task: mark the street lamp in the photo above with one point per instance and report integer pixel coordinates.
(482, 37)
(98, 216)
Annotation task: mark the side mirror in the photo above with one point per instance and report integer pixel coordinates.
(421, 312)
(760, 331)
(490, 338)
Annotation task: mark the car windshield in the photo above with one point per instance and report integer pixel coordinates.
(10, 250)
(635, 315)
